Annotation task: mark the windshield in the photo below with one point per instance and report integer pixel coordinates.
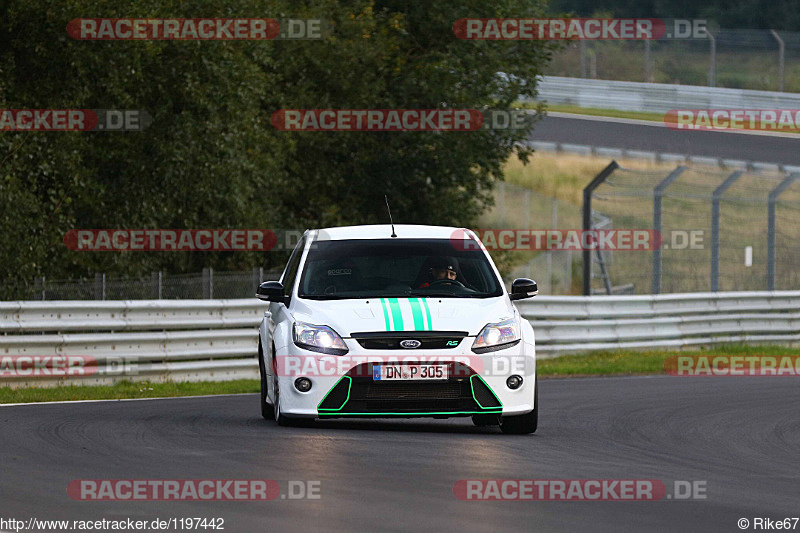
(396, 268)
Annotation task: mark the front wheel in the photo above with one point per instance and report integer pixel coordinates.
(523, 424)
(267, 410)
(280, 418)
(276, 407)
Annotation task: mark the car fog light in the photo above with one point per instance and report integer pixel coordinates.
(514, 382)
(302, 384)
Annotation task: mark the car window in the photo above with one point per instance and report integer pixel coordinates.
(290, 274)
(395, 268)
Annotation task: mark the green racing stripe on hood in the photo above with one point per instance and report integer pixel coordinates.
(386, 315)
(397, 314)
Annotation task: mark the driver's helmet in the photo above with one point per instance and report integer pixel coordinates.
(444, 264)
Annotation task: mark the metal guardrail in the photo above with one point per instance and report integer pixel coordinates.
(568, 324)
(657, 97)
(664, 157)
(217, 340)
(156, 340)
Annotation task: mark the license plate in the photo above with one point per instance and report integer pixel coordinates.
(406, 372)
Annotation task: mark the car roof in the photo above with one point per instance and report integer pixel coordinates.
(384, 231)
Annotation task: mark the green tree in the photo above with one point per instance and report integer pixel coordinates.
(211, 159)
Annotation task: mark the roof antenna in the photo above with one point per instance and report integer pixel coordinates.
(390, 215)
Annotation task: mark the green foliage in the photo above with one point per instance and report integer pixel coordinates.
(211, 159)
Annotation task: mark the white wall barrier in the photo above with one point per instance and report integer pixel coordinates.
(217, 340)
(657, 97)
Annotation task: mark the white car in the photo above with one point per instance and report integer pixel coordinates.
(396, 321)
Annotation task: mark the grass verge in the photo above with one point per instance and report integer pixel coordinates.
(612, 113)
(631, 363)
(594, 111)
(564, 176)
(609, 363)
(126, 390)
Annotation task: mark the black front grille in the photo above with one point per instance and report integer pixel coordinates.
(429, 340)
(366, 396)
(407, 390)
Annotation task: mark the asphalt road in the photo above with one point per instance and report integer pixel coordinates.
(739, 435)
(599, 131)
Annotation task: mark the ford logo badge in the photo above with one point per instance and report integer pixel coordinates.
(410, 343)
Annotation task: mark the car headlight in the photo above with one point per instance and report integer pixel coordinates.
(318, 339)
(497, 336)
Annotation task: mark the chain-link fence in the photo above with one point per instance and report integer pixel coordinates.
(206, 285)
(721, 230)
(519, 209)
(742, 59)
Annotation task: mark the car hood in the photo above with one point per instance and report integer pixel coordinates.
(404, 314)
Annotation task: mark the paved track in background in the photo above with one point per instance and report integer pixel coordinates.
(611, 133)
(740, 435)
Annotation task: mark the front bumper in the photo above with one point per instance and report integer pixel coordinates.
(343, 386)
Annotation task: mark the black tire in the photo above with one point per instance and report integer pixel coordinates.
(523, 424)
(485, 420)
(276, 407)
(266, 410)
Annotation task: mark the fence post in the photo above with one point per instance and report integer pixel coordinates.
(781, 59)
(99, 286)
(155, 284)
(587, 222)
(527, 208)
(658, 193)
(553, 226)
(582, 52)
(208, 283)
(712, 68)
(43, 290)
(258, 275)
(773, 198)
(715, 201)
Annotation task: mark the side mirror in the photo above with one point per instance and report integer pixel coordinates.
(271, 291)
(523, 288)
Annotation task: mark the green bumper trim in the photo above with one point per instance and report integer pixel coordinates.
(472, 387)
(496, 410)
(349, 384)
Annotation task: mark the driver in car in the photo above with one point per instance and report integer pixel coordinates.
(442, 268)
